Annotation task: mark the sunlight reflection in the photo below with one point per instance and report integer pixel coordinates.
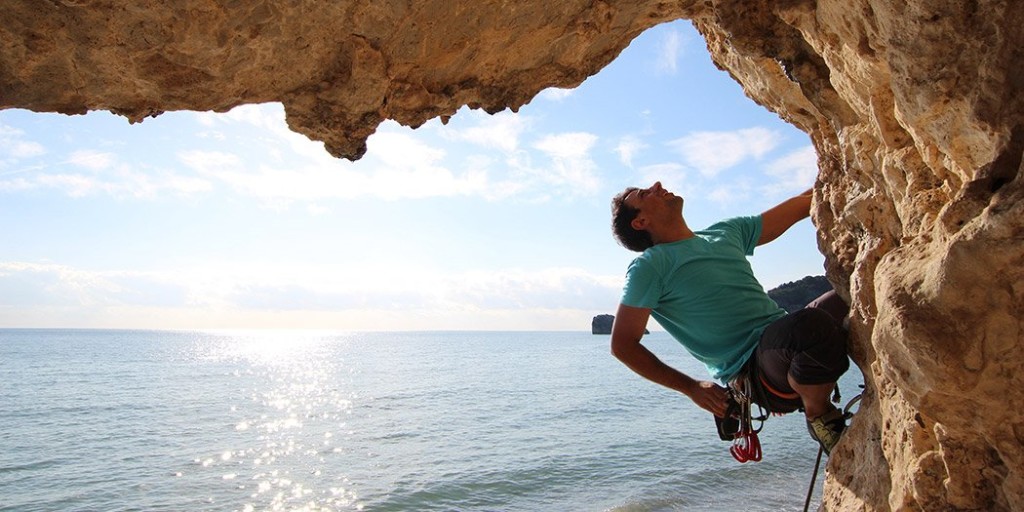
(297, 393)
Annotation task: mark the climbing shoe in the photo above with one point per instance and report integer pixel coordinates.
(827, 429)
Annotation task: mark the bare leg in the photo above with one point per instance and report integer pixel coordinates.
(814, 396)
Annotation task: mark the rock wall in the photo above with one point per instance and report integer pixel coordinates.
(914, 108)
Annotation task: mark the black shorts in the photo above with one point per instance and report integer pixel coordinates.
(809, 345)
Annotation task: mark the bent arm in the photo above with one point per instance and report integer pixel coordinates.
(777, 220)
(627, 331)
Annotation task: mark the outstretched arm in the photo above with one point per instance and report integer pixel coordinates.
(627, 330)
(777, 220)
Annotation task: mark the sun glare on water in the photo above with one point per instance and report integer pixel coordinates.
(294, 402)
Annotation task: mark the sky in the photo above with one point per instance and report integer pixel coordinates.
(198, 220)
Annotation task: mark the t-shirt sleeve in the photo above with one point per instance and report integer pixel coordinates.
(642, 288)
(746, 230)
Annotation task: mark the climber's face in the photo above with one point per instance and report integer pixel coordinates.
(655, 204)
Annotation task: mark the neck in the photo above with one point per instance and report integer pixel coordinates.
(672, 233)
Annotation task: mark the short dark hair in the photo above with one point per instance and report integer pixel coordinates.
(622, 224)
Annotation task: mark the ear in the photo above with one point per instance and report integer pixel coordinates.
(639, 222)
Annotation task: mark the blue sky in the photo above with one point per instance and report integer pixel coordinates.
(201, 220)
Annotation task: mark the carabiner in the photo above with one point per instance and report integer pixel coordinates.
(746, 447)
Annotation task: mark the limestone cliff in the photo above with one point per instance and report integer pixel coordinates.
(914, 108)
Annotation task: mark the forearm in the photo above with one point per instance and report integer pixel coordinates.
(777, 220)
(704, 394)
(644, 363)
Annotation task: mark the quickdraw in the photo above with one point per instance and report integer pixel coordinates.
(746, 446)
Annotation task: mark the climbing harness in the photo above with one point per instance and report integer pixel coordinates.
(748, 389)
(847, 414)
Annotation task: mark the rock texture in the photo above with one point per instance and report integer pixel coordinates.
(913, 106)
(339, 67)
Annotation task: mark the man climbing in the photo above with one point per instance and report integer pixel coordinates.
(700, 287)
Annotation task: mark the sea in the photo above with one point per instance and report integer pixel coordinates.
(126, 420)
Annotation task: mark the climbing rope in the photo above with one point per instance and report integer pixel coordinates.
(814, 476)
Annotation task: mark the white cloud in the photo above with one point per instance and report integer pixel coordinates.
(312, 296)
(574, 145)
(212, 134)
(30, 285)
(402, 164)
(712, 152)
(665, 172)
(16, 185)
(479, 154)
(572, 167)
(628, 147)
(402, 151)
(793, 172)
(399, 163)
(209, 161)
(74, 185)
(13, 145)
(500, 131)
(317, 210)
(268, 119)
(91, 159)
(555, 94)
(206, 118)
(552, 288)
(475, 154)
(396, 166)
(264, 115)
(125, 183)
(106, 176)
(103, 173)
(737, 191)
(669, 50)
(184, 185)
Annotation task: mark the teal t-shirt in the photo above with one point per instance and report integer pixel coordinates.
(704, 293)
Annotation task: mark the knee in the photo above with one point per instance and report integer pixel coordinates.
(831, 303)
